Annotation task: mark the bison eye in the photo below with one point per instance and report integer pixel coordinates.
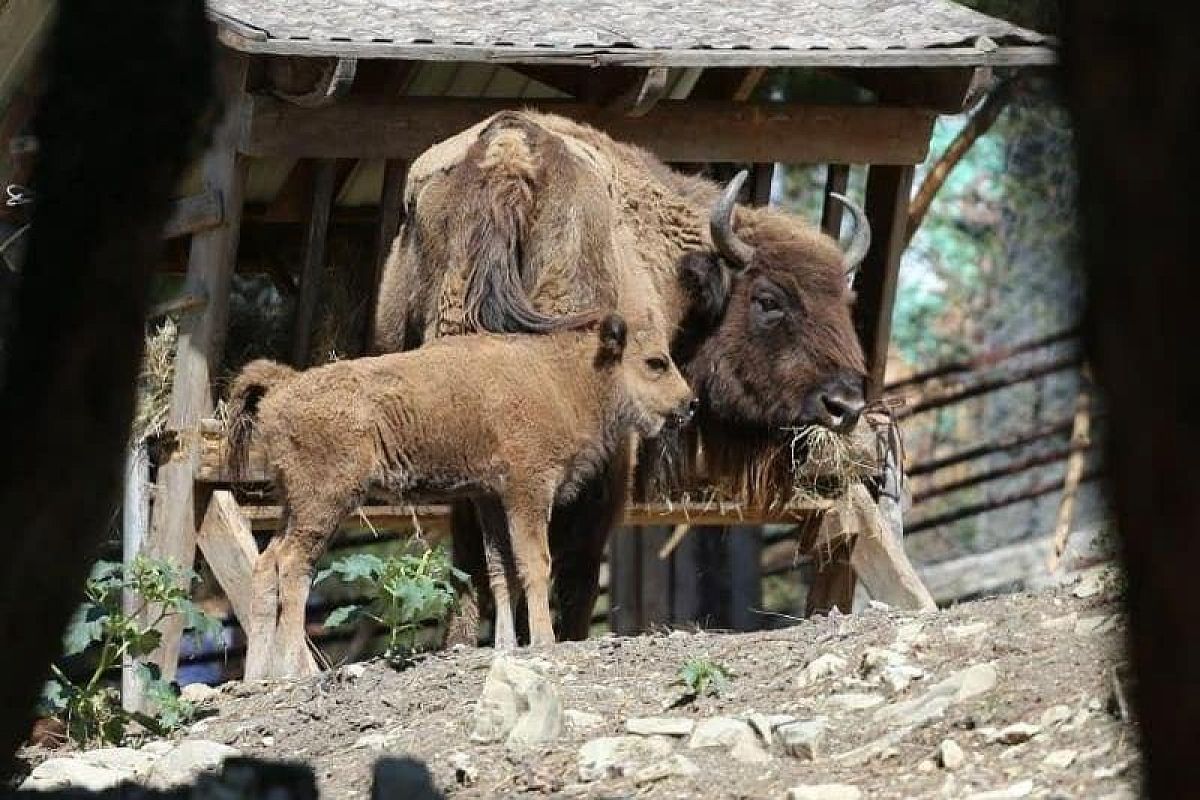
(767, 309)
(658, 365)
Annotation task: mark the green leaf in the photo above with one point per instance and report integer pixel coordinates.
(82, 634)
(358, 566)
(143, 643)
(341, 616)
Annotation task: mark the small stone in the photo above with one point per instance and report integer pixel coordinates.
(748, 751)
(1054, 715)
(1091, 583)
(465, 771)
(616, 756)
(765, 724)
(966, 631)
(878, 605)
(678, 634)
(187, 761)
(373, 741)
(677, 766)
(720, 732)
(926, 765)
(962, 685)
(582, 720)
(875, 659)
(820, 668)
(855, 701)
(1014, 792)
(896, 678)
(825, 791)
(354, 671)
(1104, 773)
(1099, 623)
(660, 726)
(950, 755)
(198, 693)
(519, 704)
(1065, 622)
(802, 739)
(268, 741)
(1014, 734)
(1060, 759)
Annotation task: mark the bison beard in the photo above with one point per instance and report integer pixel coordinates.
(529, 217)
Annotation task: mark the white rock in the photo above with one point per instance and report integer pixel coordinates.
(187, 761)
(950, 755)
(1014, 734)
(519, 704)
(354, 671)
(875, 659)
(1054, 715)
(72, 773)
(802, 739)
(962, 685)
(615, 756)
(720, 732)
(121, 759)
(1015, 792)
(1060, 759)
(1091, 583)
(1065, 622)
(661, 726)
(909, 635)
(1104, 773)
(820, 668)
(968, 630)
(749, 751)
(855, 701)
(896, 678)
(1099, 623)
(582, 720)
(765, 724)
(465, 771)
(373, 741)
(878, 605)
(825, 791)
(677, 766)
(157, 748)
(926, 765)
(198, 693)
(268, 741)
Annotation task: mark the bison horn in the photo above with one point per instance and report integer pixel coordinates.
(860, 242)
(720, 225)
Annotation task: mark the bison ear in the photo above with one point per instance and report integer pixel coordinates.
(706, 282)
(612, 339)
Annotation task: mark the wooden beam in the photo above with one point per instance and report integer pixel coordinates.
(293, 200)
(888, 189)
(745, 577)
(321, 82)
(878, 559)
(135, 522)
(194, 214)
(837, 176)
(654, 578)
(201, 340)
(643, 95)
(230, 552)
(624, 607)
(314, 261)
(676, 130)
(239, 37)
(947, 90)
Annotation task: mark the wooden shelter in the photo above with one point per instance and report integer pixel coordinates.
(328, 100)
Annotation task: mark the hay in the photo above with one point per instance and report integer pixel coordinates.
(155, 381)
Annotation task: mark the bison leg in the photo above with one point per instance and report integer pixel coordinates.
(578, 534)
(528, 524)
(505, 632)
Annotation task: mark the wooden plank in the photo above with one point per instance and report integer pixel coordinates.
(760, 184)
(248, 41)
(313, 267)
(194, 214)
(685, 579)
(947, 90)
(643, 95)
(201, 339)
(229, 550)
(624, 560)
(837, 177)
(745, 577)
(135, 522)
(676, 130)
(878, 559)
(654, 577)
(888, 190)
(391, 216)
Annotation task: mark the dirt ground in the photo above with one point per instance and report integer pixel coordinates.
(1050, 650)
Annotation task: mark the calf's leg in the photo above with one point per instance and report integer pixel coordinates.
(528, 524)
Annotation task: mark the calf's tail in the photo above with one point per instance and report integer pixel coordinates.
(248, 389)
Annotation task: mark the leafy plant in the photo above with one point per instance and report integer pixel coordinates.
(91, 709)
(703, 676)
(404, 591)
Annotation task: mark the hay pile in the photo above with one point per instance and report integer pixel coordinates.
(155, 382)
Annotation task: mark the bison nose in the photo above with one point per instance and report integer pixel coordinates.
(693, 406)
(843, 410)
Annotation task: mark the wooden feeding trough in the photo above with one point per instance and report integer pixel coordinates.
(327, 102)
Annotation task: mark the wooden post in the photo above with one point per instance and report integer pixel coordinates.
(745, 577)
(201, 340)
(685, 578)
(837, 177)
(391, 212)
(314, 259)
(229, 549)
(624, 611)
(760, 187)
(135, 520)
(655, 578)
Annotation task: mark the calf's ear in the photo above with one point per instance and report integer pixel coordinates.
(612, 339)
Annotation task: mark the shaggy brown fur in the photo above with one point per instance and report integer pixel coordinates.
(585, 221)
(525, 419)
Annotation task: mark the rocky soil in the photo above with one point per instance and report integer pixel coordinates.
(1020, 696)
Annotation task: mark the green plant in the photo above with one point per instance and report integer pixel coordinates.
(404, 592)
(703, 676)
(91, 709)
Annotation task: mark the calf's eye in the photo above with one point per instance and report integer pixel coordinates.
(657, 365)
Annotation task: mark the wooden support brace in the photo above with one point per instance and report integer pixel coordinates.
(200, 212)
(837, 176)
(336, 76)
(643, 95)
(228, 547)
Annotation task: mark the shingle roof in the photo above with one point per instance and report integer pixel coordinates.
(671, 32)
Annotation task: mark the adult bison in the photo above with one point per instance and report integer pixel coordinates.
(528, 219)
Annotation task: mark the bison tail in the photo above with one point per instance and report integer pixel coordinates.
(499, 209)
(248, 389)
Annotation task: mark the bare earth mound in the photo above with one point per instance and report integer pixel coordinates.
(1022, 685)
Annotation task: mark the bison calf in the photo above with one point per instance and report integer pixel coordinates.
(526, 419)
